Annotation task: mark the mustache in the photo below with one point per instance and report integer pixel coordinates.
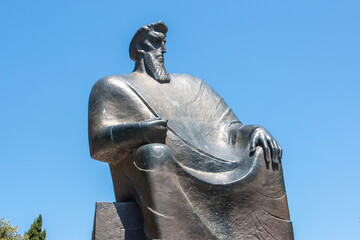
(155, 67)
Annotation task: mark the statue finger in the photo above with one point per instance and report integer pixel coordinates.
(266, 150)
(161, 122)
(278, 149)
(274, 156)
(253, 144)
(163, 128)
(165, 121)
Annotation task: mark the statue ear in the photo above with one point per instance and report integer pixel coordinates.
(138, 49)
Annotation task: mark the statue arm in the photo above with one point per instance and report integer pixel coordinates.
(116, 125)
(247, 136)
(113, 143)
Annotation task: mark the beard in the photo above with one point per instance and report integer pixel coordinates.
(155, 68)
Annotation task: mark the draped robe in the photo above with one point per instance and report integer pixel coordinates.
(205, 187)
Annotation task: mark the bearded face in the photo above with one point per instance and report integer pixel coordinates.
(154, 66)
(152, 50)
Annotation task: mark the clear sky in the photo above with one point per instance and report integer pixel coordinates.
(290, 66)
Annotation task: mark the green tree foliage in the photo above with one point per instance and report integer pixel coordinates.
(35, 232)
(8, 232)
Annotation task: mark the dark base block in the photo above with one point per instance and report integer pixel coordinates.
(118, 221)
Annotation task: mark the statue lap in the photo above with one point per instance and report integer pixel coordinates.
(176, 205)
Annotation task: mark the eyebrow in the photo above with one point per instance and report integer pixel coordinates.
(154, 34)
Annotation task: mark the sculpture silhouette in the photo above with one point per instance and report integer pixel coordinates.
(176, 148)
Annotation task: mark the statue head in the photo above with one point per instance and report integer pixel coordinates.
(147, 47)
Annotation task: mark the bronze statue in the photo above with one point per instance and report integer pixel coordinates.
(175, 147)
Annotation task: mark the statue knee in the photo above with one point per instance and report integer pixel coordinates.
(153, 156)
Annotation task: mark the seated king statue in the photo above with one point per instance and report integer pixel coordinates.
(177, 149)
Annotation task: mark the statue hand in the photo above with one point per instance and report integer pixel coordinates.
(154, 131)
(271, 148)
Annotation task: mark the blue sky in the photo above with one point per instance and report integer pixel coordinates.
(290, 66)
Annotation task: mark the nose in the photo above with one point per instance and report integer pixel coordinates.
(163, 48)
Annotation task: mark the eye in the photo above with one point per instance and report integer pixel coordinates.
(157, 41)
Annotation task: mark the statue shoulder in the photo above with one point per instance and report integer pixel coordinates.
(110, 84)
(186, 77)
(192, 80)
(112, 81)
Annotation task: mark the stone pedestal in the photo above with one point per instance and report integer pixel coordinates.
(118, 221)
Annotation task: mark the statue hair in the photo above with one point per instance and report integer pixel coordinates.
(140, 34)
